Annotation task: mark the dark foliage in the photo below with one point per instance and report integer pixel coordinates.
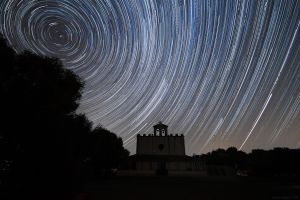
(44, 144)
(230, 157)
(41, 136)
(107, 151)
(276, 162)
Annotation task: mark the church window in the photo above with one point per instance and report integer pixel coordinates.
(161, 147)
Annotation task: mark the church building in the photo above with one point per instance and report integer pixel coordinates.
(163, 153)
(160, 143)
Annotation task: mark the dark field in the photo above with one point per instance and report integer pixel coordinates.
(189, 188)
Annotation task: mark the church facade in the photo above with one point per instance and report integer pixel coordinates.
(163, 153)
(160, 143)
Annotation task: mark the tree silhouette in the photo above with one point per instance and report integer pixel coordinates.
(41, 133)
(44, 143)
(107, 151)
(278, 162)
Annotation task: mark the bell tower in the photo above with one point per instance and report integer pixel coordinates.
(160, 129)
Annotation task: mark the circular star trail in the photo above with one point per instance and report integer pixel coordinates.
(223, 73)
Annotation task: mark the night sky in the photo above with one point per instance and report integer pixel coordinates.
(223, 73)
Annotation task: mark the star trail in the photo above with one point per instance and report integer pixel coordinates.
(223, 73)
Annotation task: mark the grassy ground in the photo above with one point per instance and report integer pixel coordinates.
(190, 188)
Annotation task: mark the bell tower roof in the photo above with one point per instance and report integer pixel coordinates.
(160, 124)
